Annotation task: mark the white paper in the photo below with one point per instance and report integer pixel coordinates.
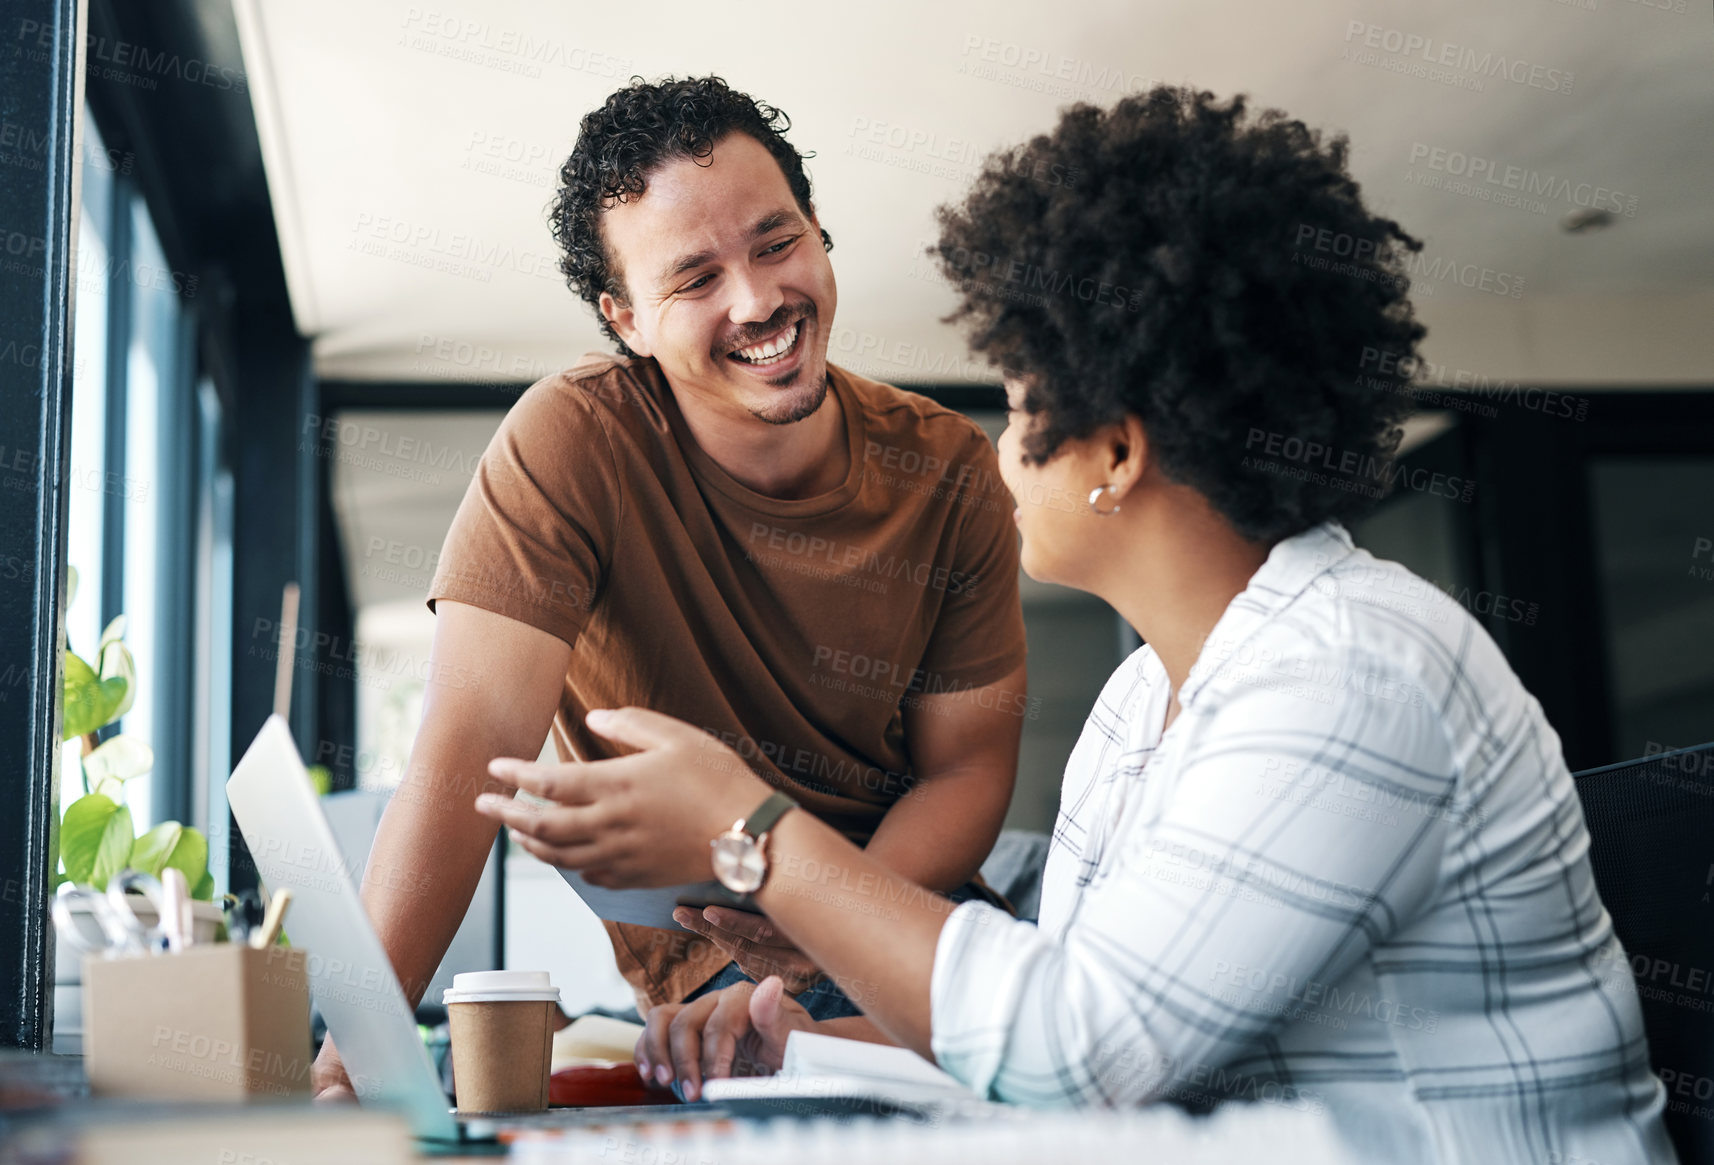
(652, 907)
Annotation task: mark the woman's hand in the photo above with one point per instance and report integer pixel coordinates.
(737, 1031)
(644, 819)
(754, 943)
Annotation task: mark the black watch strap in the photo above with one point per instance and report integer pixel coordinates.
(768, 812)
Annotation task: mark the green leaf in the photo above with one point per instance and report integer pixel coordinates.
(90, 701)
(151, 851)
(321, 777)
(116, 665)
(119, 759)
(84, 700)
(182, 848)
(116, 842)
(96, 840)
(120, 693)
(204, 892)
(70, 586)
(80, 835)
(190, 857)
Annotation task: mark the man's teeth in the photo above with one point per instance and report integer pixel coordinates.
(773, 351)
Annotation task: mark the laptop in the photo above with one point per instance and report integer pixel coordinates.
(350, 976)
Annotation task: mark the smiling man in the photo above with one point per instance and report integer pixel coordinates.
(817, 570)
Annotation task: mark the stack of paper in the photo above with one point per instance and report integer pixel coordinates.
(818, 1068)
(591, 1040)
(812, 1055)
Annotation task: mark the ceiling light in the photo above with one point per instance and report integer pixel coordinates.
(1585, 219)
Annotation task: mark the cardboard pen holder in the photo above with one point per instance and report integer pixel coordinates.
(218, 1022)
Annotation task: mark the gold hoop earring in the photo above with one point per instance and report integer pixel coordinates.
(1095, 500)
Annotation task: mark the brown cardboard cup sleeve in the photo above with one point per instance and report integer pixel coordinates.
(218, 1021)
(502, 1039)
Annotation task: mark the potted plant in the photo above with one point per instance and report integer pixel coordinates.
(97, 836)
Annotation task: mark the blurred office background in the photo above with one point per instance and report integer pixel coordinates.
(314, 271)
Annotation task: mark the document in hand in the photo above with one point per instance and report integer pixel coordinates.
(649, 906)
(825, 1073)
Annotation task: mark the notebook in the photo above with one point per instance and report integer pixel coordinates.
(820, 1073)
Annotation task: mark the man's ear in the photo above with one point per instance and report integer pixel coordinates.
(624, 321)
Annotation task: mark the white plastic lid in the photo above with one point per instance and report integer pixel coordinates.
(501, 987)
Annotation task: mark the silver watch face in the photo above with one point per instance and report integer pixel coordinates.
(739, 864)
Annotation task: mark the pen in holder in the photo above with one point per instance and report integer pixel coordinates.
(167, 1017)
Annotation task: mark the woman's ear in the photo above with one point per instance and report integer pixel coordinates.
(1127, 455)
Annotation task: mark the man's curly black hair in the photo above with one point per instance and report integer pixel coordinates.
(1213, 273)
(620, 144)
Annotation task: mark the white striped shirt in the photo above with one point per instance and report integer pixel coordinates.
(1353, 875)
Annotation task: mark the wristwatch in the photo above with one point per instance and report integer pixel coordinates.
(740, 862)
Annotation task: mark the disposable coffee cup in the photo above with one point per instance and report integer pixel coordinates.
(502, 1039)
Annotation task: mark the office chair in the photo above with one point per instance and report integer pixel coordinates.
(1651, 844)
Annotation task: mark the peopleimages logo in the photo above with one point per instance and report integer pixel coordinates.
(805, 553)
(1042, 69)
(1477, 169)
(1414, 374)
(1440, 56)
(1698, 568)
(1302, 998)
(1322, 464)
(1362, 258)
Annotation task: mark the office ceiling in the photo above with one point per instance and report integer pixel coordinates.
(410, 152)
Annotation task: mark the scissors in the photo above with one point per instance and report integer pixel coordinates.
(244, 914)
(124, 933)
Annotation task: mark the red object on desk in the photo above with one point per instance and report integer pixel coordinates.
(620, 1084)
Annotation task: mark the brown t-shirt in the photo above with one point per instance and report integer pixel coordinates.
(792, 630)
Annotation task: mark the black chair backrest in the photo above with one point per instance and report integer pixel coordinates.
(1651, 843)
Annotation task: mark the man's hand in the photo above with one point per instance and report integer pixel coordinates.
(327, 1079)
(644, 819)
(738, 1031)
(752, 942)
